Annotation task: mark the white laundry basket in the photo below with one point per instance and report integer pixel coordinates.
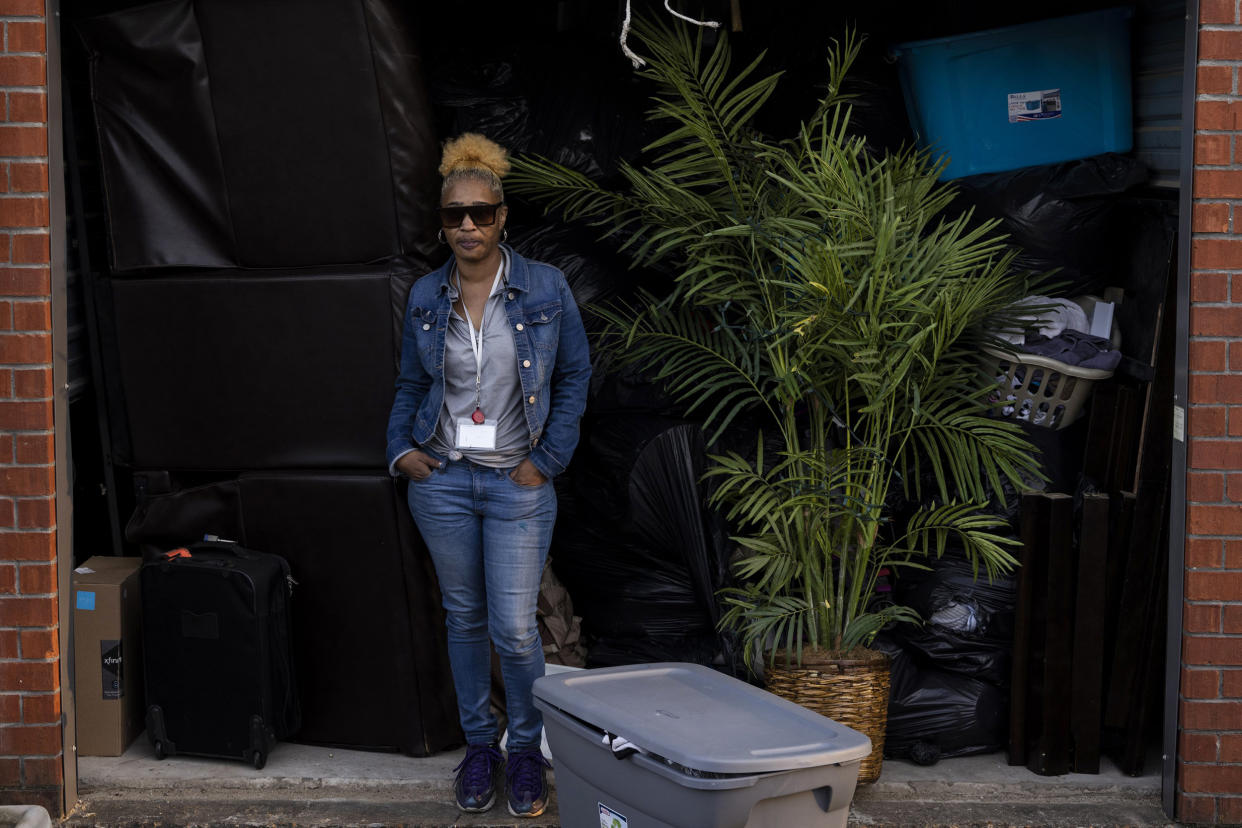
(1042, 391)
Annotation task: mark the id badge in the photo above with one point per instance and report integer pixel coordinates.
(472, 435)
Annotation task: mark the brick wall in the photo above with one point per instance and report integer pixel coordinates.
(30, 730)
(1210, 753)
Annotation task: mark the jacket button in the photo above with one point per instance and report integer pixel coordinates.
(426, 326)
(532, 399)
(510, 294)
(520, 326)
(526, 363)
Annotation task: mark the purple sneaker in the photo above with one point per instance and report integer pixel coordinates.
(475, 787)
(527, 776)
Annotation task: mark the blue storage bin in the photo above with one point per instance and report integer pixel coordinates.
(1037, 93)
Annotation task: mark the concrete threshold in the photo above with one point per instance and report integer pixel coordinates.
(305, 785)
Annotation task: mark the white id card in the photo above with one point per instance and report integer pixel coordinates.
(472, 435)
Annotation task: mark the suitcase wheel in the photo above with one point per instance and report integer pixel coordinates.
(160, 753)
(259, 758)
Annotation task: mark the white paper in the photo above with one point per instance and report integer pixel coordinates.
(1102, 320)
(472, 435)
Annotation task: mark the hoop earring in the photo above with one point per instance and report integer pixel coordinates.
(504, 234)
(440, 236)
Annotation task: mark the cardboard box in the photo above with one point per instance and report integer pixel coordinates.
(107, 649)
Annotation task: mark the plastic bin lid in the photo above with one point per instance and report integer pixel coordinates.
(1024, 32)
(701, 719)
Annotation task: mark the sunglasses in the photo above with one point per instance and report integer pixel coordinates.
(482, 215)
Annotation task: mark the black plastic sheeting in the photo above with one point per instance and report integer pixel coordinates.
(950, 675)
(634, 544)
(286, 133)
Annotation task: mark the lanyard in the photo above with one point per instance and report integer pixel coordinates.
(476, 345)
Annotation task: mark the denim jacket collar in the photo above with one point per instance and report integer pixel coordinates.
(517, 277)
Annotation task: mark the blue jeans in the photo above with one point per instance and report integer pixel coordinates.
(489, 539)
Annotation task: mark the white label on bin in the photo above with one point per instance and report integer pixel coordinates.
(608, 818)
(1034, 106)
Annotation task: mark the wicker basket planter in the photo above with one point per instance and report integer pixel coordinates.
(852, 690)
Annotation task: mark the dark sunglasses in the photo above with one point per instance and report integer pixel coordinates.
(482, 215)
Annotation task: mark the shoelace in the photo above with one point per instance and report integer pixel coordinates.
(478, 764)
(523, 772)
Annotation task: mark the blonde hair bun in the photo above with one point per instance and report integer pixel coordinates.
(474, 151)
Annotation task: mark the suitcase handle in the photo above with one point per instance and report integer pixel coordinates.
(225, 546)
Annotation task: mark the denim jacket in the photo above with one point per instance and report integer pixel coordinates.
(553, 361)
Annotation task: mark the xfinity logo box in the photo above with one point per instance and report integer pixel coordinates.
(107, 652)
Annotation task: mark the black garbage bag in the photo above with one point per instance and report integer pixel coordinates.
(634, 545)
(1069, 215)
(940, 715)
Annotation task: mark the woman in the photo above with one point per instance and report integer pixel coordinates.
(493, 381)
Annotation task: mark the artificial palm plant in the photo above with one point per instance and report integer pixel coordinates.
(820, 290)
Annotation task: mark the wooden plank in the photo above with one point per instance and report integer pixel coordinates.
(1086, 711)
(1034, 528)
(1048, 752)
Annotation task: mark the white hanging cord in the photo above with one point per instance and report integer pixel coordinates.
(625, 30)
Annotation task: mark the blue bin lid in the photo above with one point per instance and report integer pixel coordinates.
(701, 719)
(1022, 32)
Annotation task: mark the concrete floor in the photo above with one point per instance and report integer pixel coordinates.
(317, 786)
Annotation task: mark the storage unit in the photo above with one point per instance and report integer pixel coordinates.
(1036, 93)
(107, 644)
(662, 745)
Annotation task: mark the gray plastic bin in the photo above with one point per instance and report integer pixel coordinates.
(683, 746)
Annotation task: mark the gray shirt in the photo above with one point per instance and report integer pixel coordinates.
(501, 393)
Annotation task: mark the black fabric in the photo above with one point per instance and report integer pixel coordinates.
(287, 133)
(369, 641)
(368, 637)
(164, 178)
(240, 371)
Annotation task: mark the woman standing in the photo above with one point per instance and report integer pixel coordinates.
(493, 381)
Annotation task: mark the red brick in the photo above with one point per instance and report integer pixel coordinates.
(28, 108)
(1233, 554)
(1231, 617)
(1235, 352)
(1217, 321)
(1233, 482)
(1211, 217)
(38, 771)
(1214, 520)
(1218, 115)
(25, 349)
(28, 546)
(1213, 80)
(8, 514)
(1235, 421)
(1196, 809)
(24, 281)
(6, 315)
(36, 450)
(27, 36)
(9, 647)
(33, 383)
(41, 677)
(1209, 287)
(1196, 684)
(1201, 618)
(37, 579)
(28, 211)
(33, 315)
(1197, 747)
(31, 142)
(1215, 454)
(27, 612)
(29, 178)
(1213, 586)
(25, 415)
(31, 248)
(10, 708)
(1205, 420)
(1205, 488)
(1212, 650)
(1211, 778)
(8, 579)
(21, 70)
(36, 513)
(6, 442)
(30, 740)
(41, 709)
(10, 772)
(39, 644)
(1218, 11)
(1203, 553)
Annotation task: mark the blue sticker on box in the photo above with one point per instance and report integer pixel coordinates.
(608, 818)
(86, 600)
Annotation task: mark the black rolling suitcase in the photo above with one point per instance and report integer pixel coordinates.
(219, 670)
